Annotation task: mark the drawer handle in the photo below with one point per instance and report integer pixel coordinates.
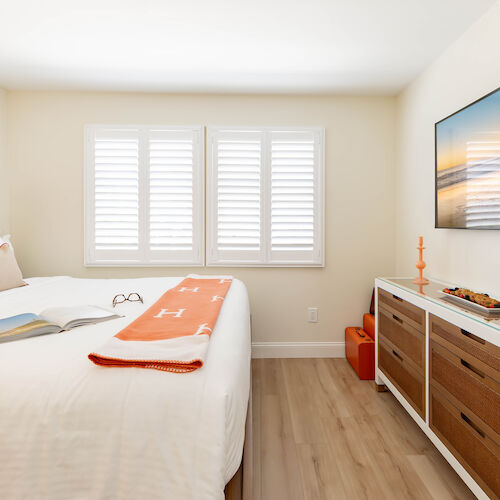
(397, 355)
(472, 336)
(468, 421)
(472, 368)
(399, 320)
(397, 298)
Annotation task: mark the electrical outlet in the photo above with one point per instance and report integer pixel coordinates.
(312, 314)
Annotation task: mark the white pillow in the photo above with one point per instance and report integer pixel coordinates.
(10, 274)
(6, 239)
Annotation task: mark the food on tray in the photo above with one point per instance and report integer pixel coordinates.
(482, 299)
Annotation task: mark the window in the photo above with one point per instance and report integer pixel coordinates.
(265, 197)
(144, 196)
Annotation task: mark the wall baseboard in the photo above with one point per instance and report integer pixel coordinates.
(298, 349)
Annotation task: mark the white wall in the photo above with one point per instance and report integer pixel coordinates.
(46, 159)
(469, 69)
(4, 180)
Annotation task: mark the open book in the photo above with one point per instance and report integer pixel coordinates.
(52, 320)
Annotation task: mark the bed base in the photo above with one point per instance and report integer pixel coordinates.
(240, 486)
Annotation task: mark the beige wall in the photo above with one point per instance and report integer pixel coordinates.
(4, 181)
(46, 155)
(469, 69)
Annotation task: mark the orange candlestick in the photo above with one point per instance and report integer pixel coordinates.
(420, 280)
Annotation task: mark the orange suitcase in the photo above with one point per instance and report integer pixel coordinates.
(360, 352)
(369, 324)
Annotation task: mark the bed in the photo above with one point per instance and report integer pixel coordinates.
(73, 430)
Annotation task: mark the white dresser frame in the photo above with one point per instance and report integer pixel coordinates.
(458, 318)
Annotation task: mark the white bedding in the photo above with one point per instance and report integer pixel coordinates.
(72, 430)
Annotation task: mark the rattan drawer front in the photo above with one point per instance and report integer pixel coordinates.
(403, 336)
(469, 444)
(407, 380)
(446, 333)
(403, 309)
(468, 384)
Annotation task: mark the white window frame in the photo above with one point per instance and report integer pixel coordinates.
(145, 256)
(213, 259)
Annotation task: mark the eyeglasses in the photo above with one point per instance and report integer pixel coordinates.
(132, 297)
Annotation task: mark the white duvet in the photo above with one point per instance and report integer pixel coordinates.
(72, 430)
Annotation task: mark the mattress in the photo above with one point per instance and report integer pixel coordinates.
(72, 430)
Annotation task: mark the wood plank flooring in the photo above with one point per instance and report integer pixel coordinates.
(321, 433)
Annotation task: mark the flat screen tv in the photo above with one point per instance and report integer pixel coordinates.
(468, 166)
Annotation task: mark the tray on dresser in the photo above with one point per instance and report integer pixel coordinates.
(491, 312)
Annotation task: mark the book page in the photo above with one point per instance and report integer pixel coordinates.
(66, 316)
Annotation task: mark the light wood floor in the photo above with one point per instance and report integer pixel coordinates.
(321, 433)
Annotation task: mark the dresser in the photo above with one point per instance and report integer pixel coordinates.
(442, 363)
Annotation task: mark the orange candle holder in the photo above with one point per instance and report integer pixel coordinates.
(420, 280)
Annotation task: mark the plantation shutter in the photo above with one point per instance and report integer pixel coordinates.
(295, 196)
(175, 215)
(144, 196)
(114, 193)
(265, 197)
(235, 184)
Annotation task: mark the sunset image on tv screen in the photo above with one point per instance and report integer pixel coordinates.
(468, 167)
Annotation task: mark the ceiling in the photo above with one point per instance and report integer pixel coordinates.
(235, 46)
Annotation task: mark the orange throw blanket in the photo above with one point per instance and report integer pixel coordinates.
(172, 335)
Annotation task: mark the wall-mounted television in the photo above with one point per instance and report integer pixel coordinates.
(467, 152)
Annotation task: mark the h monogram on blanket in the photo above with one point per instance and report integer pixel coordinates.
(173, 334)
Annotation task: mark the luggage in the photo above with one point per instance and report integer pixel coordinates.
(369, 324)
(360, 352)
